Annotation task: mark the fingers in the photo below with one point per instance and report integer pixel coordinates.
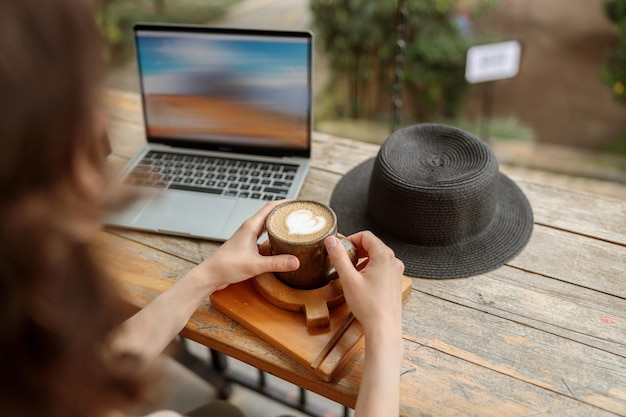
(277, 263)
(338, 256)
(256, 223)
(366, 242)
(372, 248)
(368, 245)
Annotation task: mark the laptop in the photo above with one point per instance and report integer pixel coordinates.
(227, 116)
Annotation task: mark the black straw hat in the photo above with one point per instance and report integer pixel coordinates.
(435, 196)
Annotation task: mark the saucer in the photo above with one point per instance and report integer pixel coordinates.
(315, 304)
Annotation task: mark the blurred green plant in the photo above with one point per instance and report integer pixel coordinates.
(117, 17)
(613, 72)
(616, 146)
(359, 37)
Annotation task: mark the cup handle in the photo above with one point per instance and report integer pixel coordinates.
(332, 272)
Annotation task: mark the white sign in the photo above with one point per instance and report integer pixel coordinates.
(491, 62)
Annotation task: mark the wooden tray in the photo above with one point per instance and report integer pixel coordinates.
(323, 351)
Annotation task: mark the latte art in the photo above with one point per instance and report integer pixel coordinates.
(303, 222)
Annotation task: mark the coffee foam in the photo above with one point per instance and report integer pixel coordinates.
(301, 221)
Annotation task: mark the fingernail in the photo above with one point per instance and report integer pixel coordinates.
(332, 241)
(292, 264)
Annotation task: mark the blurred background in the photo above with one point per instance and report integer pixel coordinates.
(383, 64)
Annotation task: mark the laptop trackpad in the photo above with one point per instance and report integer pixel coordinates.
(187, 213)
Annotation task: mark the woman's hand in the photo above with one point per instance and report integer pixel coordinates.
(373, 290)
(152, 328)
(239, 259)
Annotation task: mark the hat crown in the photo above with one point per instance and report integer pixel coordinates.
(433, 185)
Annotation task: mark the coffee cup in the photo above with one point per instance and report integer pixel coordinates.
(299, 228)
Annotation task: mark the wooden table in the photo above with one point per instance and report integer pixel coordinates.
(544, 334)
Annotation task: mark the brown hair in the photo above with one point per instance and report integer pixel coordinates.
(56, 306)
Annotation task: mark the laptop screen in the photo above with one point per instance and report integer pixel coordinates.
(226, 89)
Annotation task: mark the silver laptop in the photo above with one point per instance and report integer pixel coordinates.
(227, 116)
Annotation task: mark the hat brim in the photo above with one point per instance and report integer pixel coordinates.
(502, 240)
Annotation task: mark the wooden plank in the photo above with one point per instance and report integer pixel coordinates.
(584, 316)
(434, 383)
(339, 155)
(578, 212)
(539, 358)
(192, 250)
(319, 186)
(557, 306)
(580, 260)
(606, 188)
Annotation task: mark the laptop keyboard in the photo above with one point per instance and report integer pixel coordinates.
(214, 175)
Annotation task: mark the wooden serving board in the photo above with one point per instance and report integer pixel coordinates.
(288, 331)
